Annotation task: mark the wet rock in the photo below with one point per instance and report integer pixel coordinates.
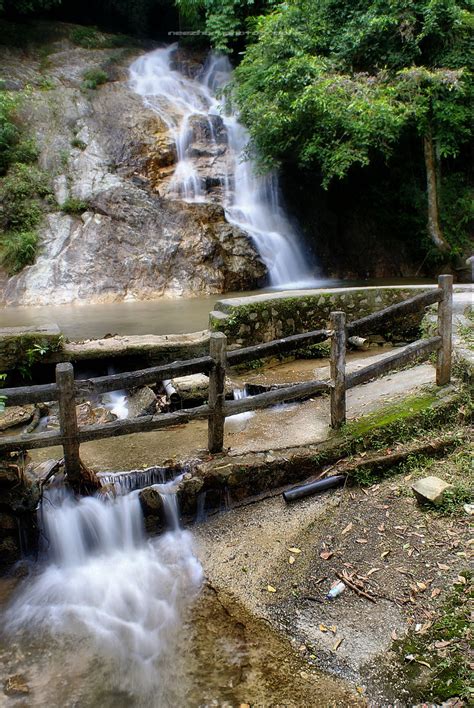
(9, 474)
(9, 550)
(16, 415)
(430, 489)
(153, 511)
(188, 492)
(89, 415)
(16, 685)
(141, 401)
(151, 502)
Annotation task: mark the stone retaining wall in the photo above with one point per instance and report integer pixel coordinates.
(262, 318)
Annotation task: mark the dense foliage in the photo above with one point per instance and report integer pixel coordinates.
(22, 190)
(332, 85)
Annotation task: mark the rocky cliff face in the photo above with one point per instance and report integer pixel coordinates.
(129, 239)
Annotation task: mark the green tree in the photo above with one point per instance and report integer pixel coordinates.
(26, 6)
(224, 21)
(329, 85)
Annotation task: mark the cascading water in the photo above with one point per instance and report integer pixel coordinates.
(237, 422)
(251, 200)
(107, 585)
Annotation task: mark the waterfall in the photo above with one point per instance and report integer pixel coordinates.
(116, 402)
(237, 422)
(251, 201)
(105, 583)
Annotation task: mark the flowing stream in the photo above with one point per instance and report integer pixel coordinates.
(217, 168)
(104, 582)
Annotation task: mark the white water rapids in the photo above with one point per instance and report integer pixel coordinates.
(251, 200)
(105, 583)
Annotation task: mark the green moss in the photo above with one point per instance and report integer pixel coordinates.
(449, 673)
(393, 414)
(308, 312)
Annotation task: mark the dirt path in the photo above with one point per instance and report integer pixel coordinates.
(408, 558)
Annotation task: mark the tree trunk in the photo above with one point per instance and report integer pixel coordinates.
(434, 227)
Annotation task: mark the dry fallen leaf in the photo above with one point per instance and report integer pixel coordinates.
(333, 628)
(442, 566)
(421, 586)
(372, 571)
(347, 529)
(326, 555)
(294, 550)
(270, 588)
(442, 644)
(435, 592)
(384, 554)
(394, 635)
(323, 628)
(291, 560)
(338, 643)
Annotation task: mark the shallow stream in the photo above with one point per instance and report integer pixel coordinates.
(111, 618)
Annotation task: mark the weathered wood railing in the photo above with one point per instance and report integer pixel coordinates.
(66, 389)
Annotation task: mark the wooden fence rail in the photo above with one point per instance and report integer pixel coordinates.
(66, 389)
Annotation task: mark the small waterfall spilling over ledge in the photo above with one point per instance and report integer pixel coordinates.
(251, 200)
(106, 585)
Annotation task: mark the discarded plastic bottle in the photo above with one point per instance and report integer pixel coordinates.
(336, 590)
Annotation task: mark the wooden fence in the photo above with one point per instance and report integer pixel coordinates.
(66, 390)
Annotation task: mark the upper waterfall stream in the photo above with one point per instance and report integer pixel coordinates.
(251, 200)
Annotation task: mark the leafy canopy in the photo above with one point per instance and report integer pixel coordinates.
(329, 84)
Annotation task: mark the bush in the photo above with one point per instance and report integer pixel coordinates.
(24, 182)
(72, 205)
(88, 37)
(26, 151)
(79, 144)
(21, 194)
(9, 132)
(17, 250)
(92, 38)
(94, 78)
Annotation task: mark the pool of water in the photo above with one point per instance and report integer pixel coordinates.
(163, 316)
(220, 658)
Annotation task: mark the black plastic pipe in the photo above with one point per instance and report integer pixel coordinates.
(320, 485)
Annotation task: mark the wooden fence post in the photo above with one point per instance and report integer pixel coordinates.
(445, 330)
(338, 369)
(68, 421)
(215, 432)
